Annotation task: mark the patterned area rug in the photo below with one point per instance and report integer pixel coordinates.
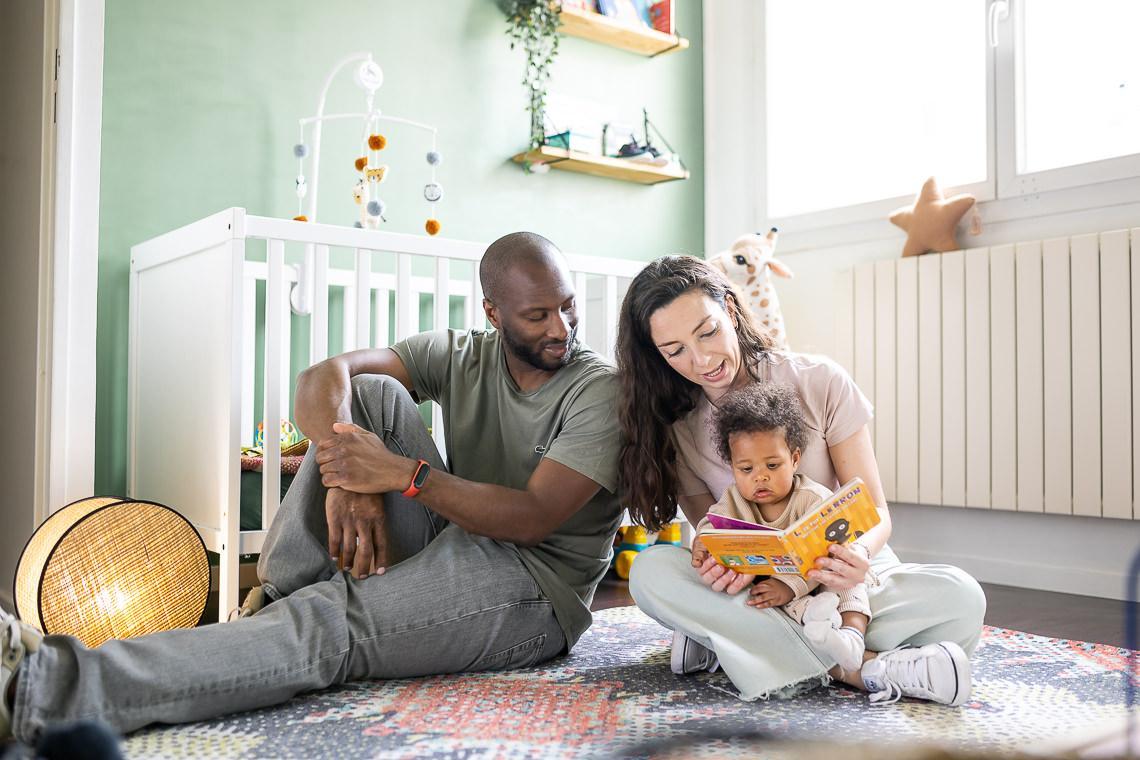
(615, 696)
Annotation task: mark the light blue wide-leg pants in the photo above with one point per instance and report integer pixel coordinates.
(765, 653)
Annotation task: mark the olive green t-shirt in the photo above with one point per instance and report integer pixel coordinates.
(494, 433)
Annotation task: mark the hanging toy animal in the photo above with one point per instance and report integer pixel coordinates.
(750, 264)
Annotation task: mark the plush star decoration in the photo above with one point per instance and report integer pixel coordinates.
(930, 222)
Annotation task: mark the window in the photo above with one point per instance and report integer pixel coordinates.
(864, 100)
(1076, 92)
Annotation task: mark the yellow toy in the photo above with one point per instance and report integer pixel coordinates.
(634, 539)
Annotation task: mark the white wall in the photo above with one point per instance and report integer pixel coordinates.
(995, 546)
(21, 92)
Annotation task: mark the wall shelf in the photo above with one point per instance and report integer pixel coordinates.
(607, 31)
(601, 166)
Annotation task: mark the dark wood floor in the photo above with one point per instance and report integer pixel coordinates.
(1064, 616)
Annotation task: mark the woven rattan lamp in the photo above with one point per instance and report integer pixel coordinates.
(105, 568)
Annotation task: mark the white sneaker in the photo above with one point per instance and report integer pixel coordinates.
(936, 672)
(16, 639)
(687, 656)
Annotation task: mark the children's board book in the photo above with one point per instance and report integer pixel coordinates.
(751, 548)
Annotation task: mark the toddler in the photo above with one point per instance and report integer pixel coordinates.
(760, 432)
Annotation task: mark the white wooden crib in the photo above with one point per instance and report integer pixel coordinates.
(193, 322)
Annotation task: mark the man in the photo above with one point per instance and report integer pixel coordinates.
(487, 563)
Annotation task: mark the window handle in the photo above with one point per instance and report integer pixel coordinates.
(998, 12)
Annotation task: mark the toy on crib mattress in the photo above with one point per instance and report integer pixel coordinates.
(288, 437)
(634, 539)
(750, 264)
(366, 191)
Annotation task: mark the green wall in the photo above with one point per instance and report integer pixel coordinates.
(200, 110)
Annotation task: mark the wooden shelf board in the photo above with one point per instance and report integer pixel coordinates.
(601, 166)
(608, 31)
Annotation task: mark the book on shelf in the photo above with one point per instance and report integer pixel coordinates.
(575, 140)
(661, 16)
(624, 11)
(756, 549)
(589, 6)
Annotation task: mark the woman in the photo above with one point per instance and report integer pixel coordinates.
(683, 342)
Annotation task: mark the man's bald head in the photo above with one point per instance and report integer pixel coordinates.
(523, 253)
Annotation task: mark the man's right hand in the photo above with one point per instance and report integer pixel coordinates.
(357, 539)
(715, 575)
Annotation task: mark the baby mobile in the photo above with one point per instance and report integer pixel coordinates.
(369, 165)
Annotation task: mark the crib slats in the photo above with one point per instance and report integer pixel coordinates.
(886, 432)
(407, 302)
(1084, 274)
(581, 305)
(475, 317)
(1003, 379)
(348, 318)
(363, 301)
(442, 306)
(319, 332)
(1116, 375)
(609, 313)
(906, 288)
(1056, 376)
(929, 380)
(380, 319)
(1030, 399)
(248, 359)
(953, 379)
(977, 305)
(274, 361)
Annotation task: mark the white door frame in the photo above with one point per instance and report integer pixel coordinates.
(65, 434)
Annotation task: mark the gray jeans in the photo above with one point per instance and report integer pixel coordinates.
(457, 602)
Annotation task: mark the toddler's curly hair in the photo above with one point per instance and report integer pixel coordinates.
(760, 408)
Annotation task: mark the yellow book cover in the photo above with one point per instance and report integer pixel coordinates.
(759, 550)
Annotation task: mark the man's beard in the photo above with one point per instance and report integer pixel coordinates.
(536, 358)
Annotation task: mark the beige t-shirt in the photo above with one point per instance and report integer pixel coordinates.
(834, 410)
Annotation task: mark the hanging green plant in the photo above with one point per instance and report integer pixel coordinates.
(533, 26)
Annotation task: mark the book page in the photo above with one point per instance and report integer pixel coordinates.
(721, 522)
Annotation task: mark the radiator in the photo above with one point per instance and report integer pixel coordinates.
(1002, 377)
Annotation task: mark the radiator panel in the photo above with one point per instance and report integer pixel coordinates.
(1002, 377)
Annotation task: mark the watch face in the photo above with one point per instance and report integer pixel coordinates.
(433, 191)
(421, 475)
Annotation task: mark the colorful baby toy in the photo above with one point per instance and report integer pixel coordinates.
(635, 539)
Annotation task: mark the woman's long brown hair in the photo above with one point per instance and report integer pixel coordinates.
(653, 395)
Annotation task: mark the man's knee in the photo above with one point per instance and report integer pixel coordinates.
(379, 385)
(380, 401)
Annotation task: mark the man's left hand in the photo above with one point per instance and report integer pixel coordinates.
(357, 460)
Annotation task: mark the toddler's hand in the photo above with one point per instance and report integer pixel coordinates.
(700, 553)
(770, 593)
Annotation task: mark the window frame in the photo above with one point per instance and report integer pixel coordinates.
(1005, 195)
(1010, 78)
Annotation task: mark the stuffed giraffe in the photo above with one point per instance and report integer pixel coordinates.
(750, 264)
